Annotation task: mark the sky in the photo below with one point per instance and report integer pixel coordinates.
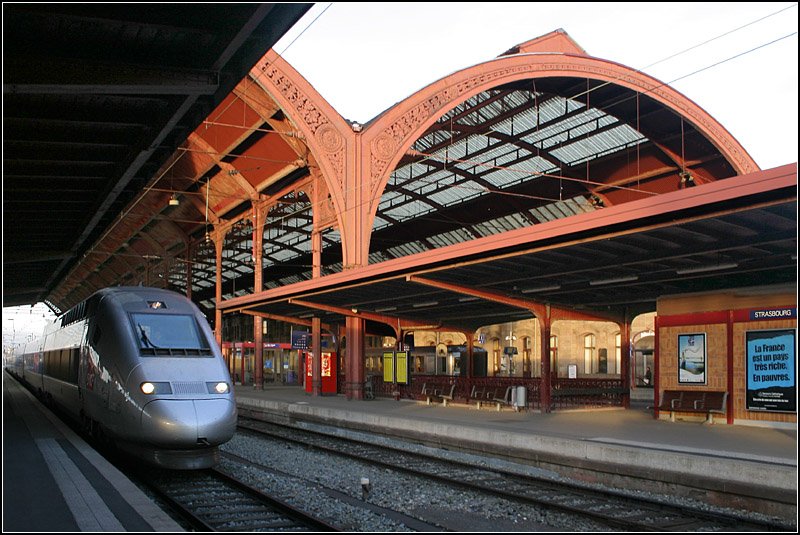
(23, 323)
(364, 57)
(738, 61)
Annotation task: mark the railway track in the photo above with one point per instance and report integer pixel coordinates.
(210, 500)
(617, 510)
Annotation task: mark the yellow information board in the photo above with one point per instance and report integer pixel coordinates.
(388, 367)
(401, 358)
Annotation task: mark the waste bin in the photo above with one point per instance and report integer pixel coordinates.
(519, 397)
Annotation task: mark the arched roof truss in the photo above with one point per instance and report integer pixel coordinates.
(531, 151)
(540, 133)
(244, 154)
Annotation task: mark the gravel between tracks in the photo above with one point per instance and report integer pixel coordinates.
(454, 509)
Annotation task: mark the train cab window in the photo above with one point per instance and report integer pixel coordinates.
(168, 331)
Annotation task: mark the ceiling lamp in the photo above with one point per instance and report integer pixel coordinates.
(173, 200)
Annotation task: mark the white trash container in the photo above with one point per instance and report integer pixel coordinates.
(519, 397)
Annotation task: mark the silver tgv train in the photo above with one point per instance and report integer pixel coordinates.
(139, 367)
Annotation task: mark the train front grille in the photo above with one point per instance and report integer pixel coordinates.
(189, 387)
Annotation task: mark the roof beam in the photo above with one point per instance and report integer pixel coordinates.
(395, 322)
(60, 78)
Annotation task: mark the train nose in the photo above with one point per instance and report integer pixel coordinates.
(188, 423)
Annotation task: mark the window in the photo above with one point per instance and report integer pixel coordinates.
(496, 355)
(588, 352)
(168, 331)
(618, 353)
(554, 354)
(526, 358)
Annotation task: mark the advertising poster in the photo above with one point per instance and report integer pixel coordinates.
(692, 358)
(771, 370)
(326, 365)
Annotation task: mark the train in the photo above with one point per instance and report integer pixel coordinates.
(139, 368)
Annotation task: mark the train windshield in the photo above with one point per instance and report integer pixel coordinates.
(168, 331)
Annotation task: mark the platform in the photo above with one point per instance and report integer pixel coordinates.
(53, 481)
(620, 441)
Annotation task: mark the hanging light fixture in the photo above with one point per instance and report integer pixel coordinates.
(173, 199)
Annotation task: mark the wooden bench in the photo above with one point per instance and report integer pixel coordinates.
(694, 401)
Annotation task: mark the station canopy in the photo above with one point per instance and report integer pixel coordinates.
(477, 204)
(96, 97)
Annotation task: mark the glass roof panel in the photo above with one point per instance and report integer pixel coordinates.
(501, 224)
(407, 249)
(450, 238)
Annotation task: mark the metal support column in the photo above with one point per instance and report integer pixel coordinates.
(316, 355)
(354, 380)
(546, 382)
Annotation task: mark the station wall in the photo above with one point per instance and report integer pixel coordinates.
(725, 319)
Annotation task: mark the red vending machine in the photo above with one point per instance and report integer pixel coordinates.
(328, 373)
(309, 374)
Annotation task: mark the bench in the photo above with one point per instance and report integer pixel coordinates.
(694, 401)
(481, 395)
(448, 397)
(429, 393)
(505, 400)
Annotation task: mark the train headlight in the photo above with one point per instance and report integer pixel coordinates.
(155, 388)
(217, 388)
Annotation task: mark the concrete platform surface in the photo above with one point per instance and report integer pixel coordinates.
(54, 482)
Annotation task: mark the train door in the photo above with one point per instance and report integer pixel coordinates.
(83, 364)
(95, 388)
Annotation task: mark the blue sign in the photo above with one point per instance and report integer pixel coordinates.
(771, 376)
(774, 314)
(300, 339)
